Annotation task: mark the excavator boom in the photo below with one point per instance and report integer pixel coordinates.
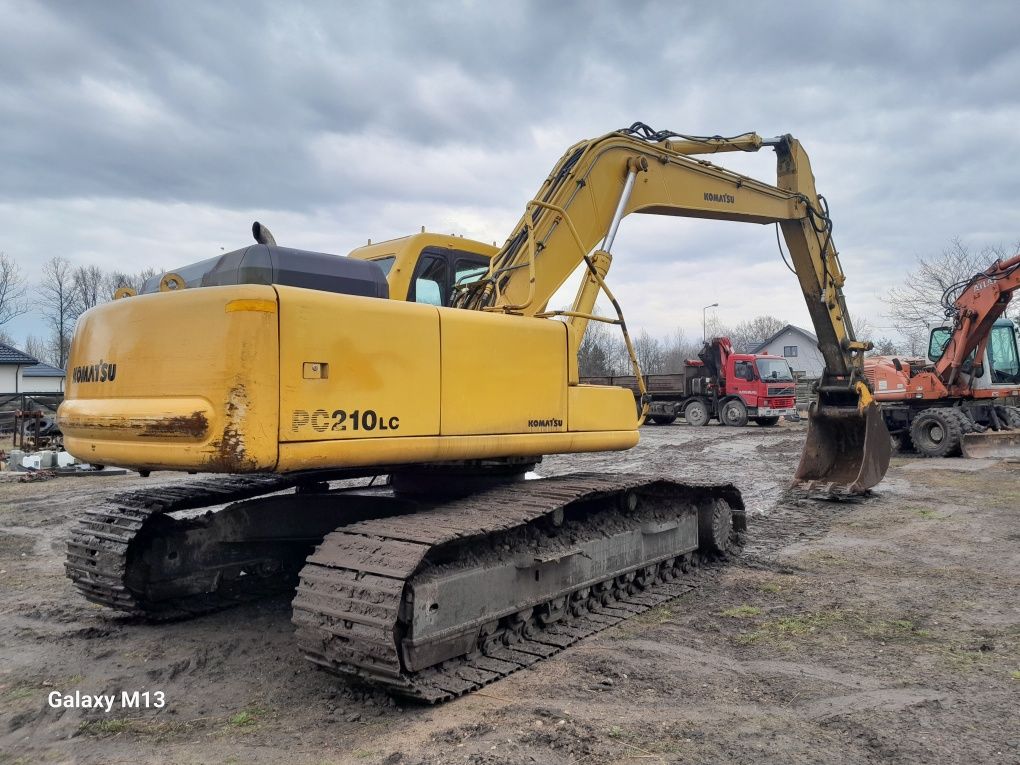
(573, 220)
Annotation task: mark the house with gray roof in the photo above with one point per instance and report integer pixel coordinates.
(800, 348)
(12, 364)
(42, 378)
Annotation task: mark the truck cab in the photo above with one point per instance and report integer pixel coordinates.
(764, 384)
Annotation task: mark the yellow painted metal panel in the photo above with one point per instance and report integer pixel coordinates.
(176, 379)
(309, 455)
(382, 379)
(601, 407)
(502, 374)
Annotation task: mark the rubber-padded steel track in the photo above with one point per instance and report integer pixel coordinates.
(351, 606)
(97, 551)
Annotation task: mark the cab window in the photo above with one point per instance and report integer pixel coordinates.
(743, 370)
(938, 341)
(430, 280)
(1002, 356)
(386, 264)
(469, 271)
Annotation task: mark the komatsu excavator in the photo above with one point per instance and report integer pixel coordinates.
(434, 363)
(957, 399)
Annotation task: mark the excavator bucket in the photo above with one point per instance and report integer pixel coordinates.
(847, 450)
(1001, 444)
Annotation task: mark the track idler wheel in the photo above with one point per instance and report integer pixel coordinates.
(715, 524)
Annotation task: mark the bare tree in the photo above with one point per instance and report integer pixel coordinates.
(58, 305)
(619, 358)
(651, 353)
(919, 302)
(7, 339)
(12, 289)
(715, 328)
(88, 285)
(748, 335)
(36, 348)
(678, 349)
(883, 347)
(594, 354)
(118, 279)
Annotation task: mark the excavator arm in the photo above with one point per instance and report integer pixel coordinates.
(574, 218)
(981, 300)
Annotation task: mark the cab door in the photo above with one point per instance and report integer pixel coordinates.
(437, 272)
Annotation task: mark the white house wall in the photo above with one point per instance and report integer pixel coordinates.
(42, 385)
(808, 360)
(9, 378)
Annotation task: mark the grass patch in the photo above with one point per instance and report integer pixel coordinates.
(773, 588)
(103, 727)
(615, 732)
(897, 630)
(159, 730)
(1015, 674)
(362, 754)
(659, 615)
(783, 630)
(242, 719)
(928, 515)
(24, 690)
(247, 718)
(741, 612)
(20, 692)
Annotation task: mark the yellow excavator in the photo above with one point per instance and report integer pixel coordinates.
(434, 364)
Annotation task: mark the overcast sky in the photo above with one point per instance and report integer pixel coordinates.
(138, 134)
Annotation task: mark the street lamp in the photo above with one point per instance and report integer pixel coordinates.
(704, 324)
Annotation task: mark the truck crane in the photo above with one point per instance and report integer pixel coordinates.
(720, 384)
(432, 362)
(956, 399)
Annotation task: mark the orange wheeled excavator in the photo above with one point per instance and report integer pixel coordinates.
(957, 399)
(434, 364)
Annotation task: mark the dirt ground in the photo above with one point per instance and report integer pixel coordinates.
(880, 631)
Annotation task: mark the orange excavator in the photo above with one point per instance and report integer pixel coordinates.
(956, 400)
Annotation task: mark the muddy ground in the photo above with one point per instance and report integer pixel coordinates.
(881, 631)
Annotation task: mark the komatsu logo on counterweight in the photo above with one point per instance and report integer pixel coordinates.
(102, 372)
(553, 423)
(727, 198)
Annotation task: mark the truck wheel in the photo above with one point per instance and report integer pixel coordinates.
(696, 413)
(936, 433)
(662, 419)
(733, 413)
(766, 422)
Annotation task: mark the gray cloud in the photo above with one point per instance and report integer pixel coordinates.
(150, 133)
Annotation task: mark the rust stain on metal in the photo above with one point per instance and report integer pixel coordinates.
(193, 425)
(229, 455)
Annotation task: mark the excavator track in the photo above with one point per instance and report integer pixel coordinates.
(142, 554)
(98, 551)
(524, 570)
